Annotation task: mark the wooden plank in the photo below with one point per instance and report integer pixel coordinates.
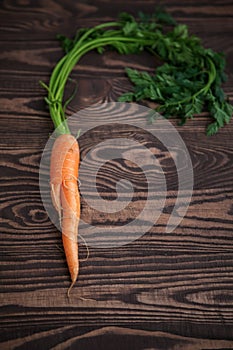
(162, 290)
(20, 19)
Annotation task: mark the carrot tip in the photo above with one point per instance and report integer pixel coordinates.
(69, 289)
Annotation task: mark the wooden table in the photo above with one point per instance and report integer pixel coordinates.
(161, 291)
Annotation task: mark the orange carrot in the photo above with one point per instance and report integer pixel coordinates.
(64, 167)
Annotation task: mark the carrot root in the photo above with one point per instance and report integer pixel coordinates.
(65, 197)
(69, 289)
(88, 251)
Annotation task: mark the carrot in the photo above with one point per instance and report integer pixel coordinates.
(65, 196)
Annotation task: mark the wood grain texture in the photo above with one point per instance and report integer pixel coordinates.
(161, 291)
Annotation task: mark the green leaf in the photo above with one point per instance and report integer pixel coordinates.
(218, 113)
(228, 108)
(152, 115)
(125, 17)
(162, 16)
(139, 78)
(130, 28)
(66, 43)
(100, 50)
(180, 31)
(212, 129)
(126, 97)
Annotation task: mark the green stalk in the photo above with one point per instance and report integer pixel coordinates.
(96, 28)
(54, 80)
(65, 66)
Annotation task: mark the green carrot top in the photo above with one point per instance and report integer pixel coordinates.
(188, 82)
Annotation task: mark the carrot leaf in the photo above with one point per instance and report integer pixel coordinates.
(188, 82)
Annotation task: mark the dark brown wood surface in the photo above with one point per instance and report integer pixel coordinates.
(162, 291)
